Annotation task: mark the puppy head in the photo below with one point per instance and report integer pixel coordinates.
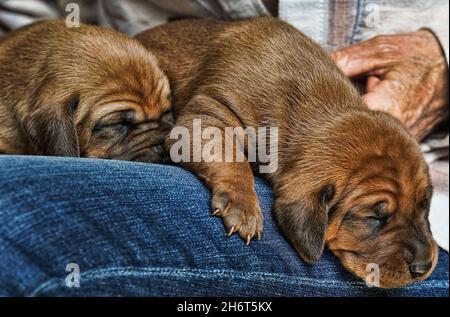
(98, 94)
(380, 223)
(127, 117)
(368, 200)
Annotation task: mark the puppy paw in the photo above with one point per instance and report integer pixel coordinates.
(240, 213)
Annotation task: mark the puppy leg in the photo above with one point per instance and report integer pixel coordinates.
(231, 183)
(234, 198)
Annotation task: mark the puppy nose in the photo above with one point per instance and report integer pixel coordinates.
(418, 255)
(419, 269)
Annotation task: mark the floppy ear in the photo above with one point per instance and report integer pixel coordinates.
(52, 131)
(305, 224)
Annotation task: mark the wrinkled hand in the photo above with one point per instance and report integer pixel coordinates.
(407, 76)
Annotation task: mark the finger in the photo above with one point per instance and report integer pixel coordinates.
(372, 83)
(378, 97)
(353, 64)
(366, 57)
(377, 101)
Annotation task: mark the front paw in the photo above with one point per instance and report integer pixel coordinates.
(240, 212)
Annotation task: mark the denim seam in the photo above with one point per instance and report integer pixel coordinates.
(106, 273)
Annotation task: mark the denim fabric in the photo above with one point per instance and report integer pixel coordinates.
(144, 230)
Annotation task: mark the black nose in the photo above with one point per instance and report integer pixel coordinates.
(419, 255)
(419, 269)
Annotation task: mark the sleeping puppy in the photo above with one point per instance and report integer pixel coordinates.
(348, 177)
(84, 91)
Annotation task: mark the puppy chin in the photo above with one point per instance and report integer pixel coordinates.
(151, 154)
(364, 269)
(391, 275)
(154, 154)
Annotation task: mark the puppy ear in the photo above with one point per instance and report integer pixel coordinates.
(52, 131)
(305, 224)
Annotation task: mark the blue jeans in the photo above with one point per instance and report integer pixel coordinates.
(144, 230)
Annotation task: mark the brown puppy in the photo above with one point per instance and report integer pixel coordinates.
(348, 177)
(83, 91)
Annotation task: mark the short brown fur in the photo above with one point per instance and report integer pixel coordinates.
(348, 177)
(83, 91)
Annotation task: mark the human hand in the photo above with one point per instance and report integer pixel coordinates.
(407, 76)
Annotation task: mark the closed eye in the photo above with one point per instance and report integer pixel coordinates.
(374, 223)
(120, 127)
(73, 104)
(379, 220)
